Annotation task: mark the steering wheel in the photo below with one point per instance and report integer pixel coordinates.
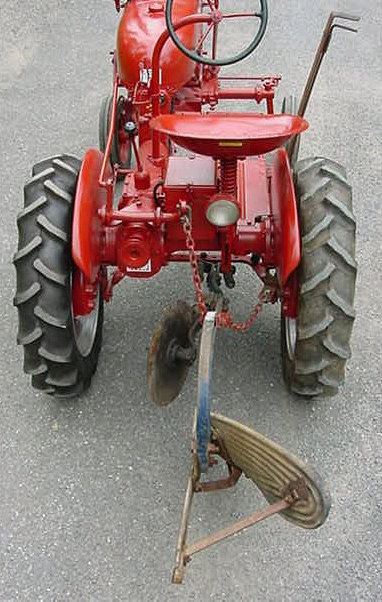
(216, 17)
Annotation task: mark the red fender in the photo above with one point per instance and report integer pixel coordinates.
(87, 225)
(285, 216)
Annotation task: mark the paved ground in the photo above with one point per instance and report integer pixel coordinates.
(91, 491)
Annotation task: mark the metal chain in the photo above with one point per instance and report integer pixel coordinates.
(190, 244)
(224, 319)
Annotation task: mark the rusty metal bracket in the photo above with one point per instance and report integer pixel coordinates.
(333, 22)
(295, 491)
(291, 487)
(219, 484)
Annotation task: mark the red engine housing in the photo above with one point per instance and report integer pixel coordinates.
(141, 25)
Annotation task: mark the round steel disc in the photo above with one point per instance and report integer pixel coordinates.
(166, 378)
(272, 469)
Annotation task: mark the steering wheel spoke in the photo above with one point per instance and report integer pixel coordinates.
(211, 4)
(204, 36)
(238, 15)
(213, 21)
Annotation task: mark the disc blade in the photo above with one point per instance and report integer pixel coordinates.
(166, 378)
(272, 468)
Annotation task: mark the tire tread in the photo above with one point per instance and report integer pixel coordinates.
(43, 265)
(327, 276)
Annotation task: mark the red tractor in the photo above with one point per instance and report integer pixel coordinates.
(206, 187)
(237, 196)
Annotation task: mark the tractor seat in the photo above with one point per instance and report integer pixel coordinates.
(229, 134)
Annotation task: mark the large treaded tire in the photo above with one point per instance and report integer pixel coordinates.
(44, 270)
(327, 276)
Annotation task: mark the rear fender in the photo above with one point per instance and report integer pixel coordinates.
(87, 226)
(287, 243)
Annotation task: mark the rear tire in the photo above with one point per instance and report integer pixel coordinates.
(56, 355)
(315, 347)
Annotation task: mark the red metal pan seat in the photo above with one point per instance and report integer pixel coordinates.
(229, 134)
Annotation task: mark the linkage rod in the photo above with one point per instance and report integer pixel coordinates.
(240, 525)
(180, 560)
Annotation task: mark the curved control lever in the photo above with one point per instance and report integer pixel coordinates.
(331, 24)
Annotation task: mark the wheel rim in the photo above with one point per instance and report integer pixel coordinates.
(290, 336)
(85, 327)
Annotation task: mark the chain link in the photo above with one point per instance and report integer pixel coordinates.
(194, 267)
(224, 319)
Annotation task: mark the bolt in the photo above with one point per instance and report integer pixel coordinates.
(130, 127)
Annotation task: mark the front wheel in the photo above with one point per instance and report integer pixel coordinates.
(121, 152)
(315, 345)
(61, 347)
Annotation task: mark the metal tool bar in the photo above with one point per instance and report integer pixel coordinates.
(240, 525)
(320, 53)
(203, 424)
(177, 576)
(261, 78)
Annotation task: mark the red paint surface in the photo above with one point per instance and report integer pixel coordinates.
(87, 226)
(195, 180)
(84, 294)
(285, 217)
(144, 233)
(229, 134)
(290, 296)
(138, 31)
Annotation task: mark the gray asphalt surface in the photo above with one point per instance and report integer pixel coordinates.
(91, 491)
